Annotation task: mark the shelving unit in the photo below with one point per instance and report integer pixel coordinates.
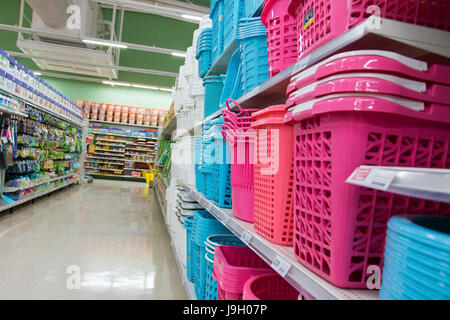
(14, 189)
(280, 258)
(189, 286)
(123, 124)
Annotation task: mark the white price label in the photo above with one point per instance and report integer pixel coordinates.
(281, 266)
(225, 220)
(246, 237)
(376, 178)
(301, 65)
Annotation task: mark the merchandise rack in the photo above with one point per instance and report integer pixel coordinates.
(429, 184)
(14, 189)
(116, 177)
(280, 258)
(166, 132)
(120, 135)
(4, 206)
(123, 124)
(189, 286)
(8, 110)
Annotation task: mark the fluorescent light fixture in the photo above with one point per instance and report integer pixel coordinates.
(114, 83)
(188, 16)
(37, 73)
(144, 87)
(176, 54)
(107, 44)
(166, 89)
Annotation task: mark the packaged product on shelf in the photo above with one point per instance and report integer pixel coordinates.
(117, 113)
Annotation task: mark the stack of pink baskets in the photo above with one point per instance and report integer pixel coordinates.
(236, 133)
(361, 108)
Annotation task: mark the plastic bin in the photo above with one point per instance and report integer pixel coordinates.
(216, 15)
(233, 266)
(213, 90)
(251, 6)
(242, 143)
(269, 287)
(417, 260)
(282, 36)
(340, 229)
(210, 245)
(254, 59)
(233, 82)
(320, 21)
(204, 52)
(233, 11)
(273, 175)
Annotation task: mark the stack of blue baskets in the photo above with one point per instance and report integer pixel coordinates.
(216, 15)
(417, 259)
(215, 166)
(233, 11)
(204, 51)
(213, 91)
(204, 225)
(211, 243)
(252, 42)
(189, 259)
(251, 6)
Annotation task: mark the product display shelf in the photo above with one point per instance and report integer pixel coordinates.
(281, 258)
(14, 189)
(189, 286)
(141, 150)
(166, 132)
(430, 184)
(8, 110)
(105, 154)
(43, 108)
(105, 162)
(124, 124)
(103, 169)
(106, 150)
(120, 135)
(5, 206)
(110, 144)
(141, 144)
(116, 177)
(131, 160)
(109, 140)
(104, 158)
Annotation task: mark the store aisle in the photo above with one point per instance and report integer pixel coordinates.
(112, 232)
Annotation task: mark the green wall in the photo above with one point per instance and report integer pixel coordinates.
(91, 91)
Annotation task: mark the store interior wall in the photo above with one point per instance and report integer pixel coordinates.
(98, 92)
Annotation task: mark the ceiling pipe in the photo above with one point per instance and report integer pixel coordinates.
(93, 65)
(132, 46)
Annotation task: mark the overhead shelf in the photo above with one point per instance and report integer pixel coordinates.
(189, 286)
(281, 258)
(124, 124)
(430, 184)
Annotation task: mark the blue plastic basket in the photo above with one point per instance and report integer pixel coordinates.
(189, 244)
(216, 15)
(233, 11)
(204, 63)
(198, 174)
(221, 175)
(233, 83)
(254, 58)
(213, 90)
(210, 289)
(417, 259)
(251, 6)
(204, 225)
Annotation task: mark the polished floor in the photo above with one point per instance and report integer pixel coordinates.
(104, 240)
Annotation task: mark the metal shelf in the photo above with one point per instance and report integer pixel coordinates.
(104, 169)
(167, 131)
(430, 184)
(281, 258)
(121, 135)
(113, 151)
(105, 162)
(6, 206)
(14, 189)
(124, 124)
(109, 140)
(138, 161)
(189, 286)
(8, 110)
(110, 144)
(104, 158)
(97, 175)
(220, 66)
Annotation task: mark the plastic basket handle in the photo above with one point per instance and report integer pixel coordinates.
(227, 128)
(233, 101)
(208, 259)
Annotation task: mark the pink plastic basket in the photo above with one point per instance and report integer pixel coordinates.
(374, 83)
(241, 140)
(269, 287)
(281, 35)
(273, 176)
(372, 61)
(233, 266)
(319, 21)
(339, 228)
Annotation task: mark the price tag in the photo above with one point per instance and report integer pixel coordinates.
(204, 203)
(376, 178)
(246, 237)
(301, 65)
(281, 266)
